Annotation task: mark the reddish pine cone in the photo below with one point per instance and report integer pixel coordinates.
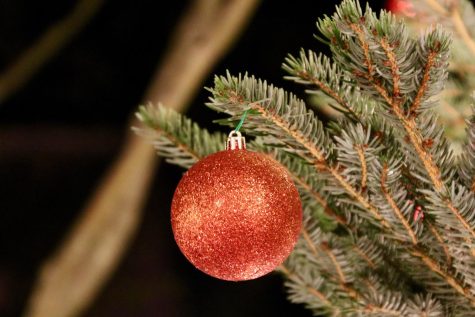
(236, 215)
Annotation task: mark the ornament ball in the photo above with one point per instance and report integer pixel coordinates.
(236, 215)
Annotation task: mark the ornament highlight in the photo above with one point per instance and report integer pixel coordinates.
(236, 214)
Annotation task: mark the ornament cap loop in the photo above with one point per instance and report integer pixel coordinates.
(235, 141)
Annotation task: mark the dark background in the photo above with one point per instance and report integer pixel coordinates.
(60, 133)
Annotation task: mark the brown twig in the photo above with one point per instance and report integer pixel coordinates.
(75, 274)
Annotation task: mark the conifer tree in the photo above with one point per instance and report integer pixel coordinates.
(389, 208)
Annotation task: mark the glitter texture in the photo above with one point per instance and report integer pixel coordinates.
(236, 215)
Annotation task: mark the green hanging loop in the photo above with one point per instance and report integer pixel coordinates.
(242, 121)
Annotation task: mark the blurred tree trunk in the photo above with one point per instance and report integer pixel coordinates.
(73, 276)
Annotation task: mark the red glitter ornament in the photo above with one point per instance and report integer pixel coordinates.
(236, 215)
(402, 7)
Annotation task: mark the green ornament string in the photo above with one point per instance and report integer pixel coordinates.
(244, 115)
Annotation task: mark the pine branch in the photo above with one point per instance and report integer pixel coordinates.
(306, 179)
(329, 256)
(305, 287)
(441, 242)
(172, 135)
(413, 113)
(459, 17)
(364, 250)
(175, 137)
(364, 180)
(318, 71)
(285, 120)
(378, 84)
(394, 206)
(467, 159)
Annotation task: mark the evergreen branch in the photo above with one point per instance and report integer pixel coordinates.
(331, 245)
(357, 195)
(436, 44)
(320, 303)
(460, 217)
(304, 177)
(317, 70)
(369, 74)
(175, 137)
(309, 242)
(425, 306)
(370, 296)
(299, 126)
(431, 58)
(408, 124)
(235, 95)
(467, 159)
(381, 311)
(391, 197)
(316, 242)
(394, 66)
(394, 206)
(339, 271)
(416, 140)
(445, 275)
(364, 169)
(320, 160)
(442, 243)
(364, 256)
(461, 204)
(418, 306)
(355, 144)
(364, 251)
(321, 200)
